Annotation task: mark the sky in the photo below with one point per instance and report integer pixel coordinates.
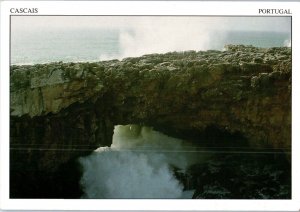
(278, 24)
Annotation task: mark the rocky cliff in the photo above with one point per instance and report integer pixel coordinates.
(69, 109)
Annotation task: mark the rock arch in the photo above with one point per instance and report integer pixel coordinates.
(74, 106)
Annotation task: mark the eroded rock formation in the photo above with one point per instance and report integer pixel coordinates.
(72, 108)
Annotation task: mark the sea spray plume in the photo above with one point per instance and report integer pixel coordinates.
(114, 174)
(144, 35)
(287, 43)
(165, 34)
(161, 34)
(148, 141)
(137, 165)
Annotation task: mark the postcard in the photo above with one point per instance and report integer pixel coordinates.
(149, 105)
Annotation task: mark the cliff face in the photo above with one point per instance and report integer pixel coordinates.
(74, 106)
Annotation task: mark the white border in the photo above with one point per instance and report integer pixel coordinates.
(146, 8)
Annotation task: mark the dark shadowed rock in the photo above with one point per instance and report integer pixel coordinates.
(74, 106)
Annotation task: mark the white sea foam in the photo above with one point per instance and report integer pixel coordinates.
(137, 165)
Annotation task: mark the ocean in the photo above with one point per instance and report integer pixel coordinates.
(90, 45)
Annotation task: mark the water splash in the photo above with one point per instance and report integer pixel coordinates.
(287, 43)
(137, 165)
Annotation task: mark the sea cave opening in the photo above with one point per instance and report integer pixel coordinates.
(143, 163)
